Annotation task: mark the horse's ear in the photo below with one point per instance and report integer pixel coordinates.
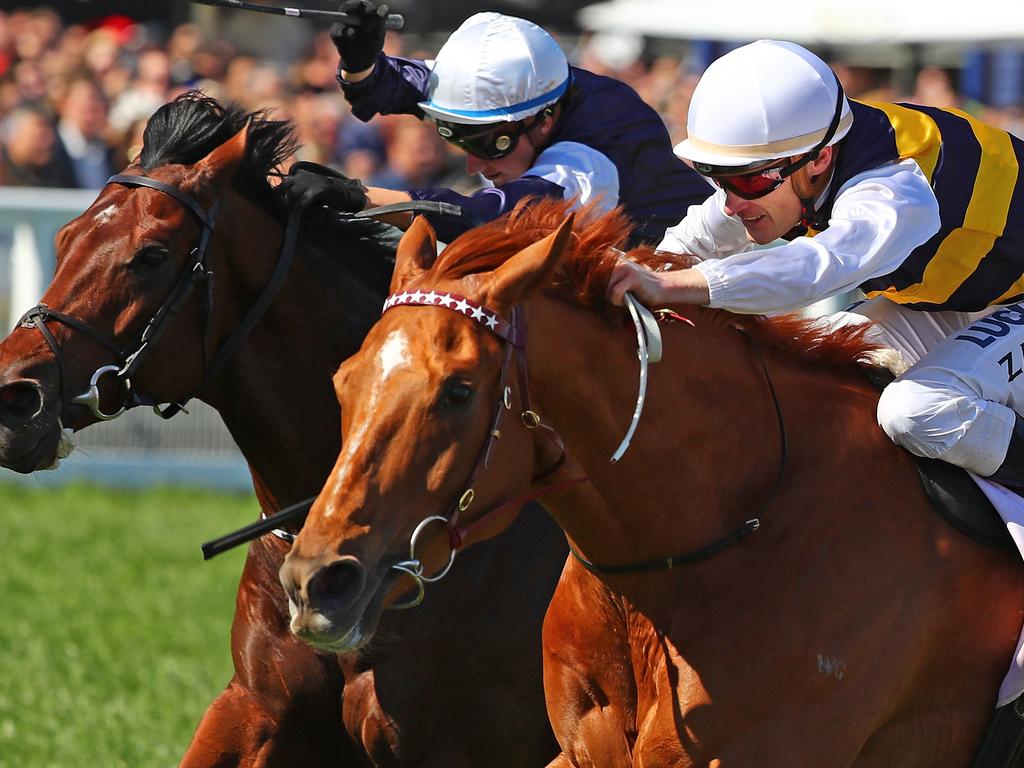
(528, 269)
(416, 253)
(216, 171)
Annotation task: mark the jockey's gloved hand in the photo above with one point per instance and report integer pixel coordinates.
(359, 44)
(310, 184)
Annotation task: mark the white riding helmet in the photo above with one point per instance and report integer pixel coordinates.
(762, 102)
(495, 68)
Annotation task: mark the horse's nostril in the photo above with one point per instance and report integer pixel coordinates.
(19, 402)
(336, 586)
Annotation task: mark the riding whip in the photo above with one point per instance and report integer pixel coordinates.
(393, 21)
(293, 514)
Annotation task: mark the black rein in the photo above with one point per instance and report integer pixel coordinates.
(708, 550)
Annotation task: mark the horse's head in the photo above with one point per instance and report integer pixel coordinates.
(419, 404)
(126, 270)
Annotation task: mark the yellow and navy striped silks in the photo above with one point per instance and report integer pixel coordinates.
(976, 259)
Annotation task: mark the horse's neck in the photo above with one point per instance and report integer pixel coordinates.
(706, 448)
(275, 394)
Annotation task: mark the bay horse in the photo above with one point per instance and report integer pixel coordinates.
(817, 611)
(286, 705)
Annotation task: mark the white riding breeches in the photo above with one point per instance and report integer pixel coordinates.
(959, 398)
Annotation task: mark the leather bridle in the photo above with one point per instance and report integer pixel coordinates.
(513, 333)
(197, 272)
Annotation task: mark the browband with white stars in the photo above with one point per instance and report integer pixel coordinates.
(453, 301)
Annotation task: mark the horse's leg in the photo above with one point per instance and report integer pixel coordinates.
(237, 732)
(283, 706)
(234, 731)
(591, 695)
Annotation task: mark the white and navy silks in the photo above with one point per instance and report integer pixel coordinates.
(957, 402)
(609, 147)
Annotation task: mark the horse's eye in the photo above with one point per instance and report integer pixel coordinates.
(457, 392)
(149, 256)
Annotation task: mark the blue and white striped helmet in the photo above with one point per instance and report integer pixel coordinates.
(495, 68)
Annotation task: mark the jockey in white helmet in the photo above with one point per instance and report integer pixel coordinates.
(921, 208)
(502, 90)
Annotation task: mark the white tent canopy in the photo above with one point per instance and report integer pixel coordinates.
(832, 22)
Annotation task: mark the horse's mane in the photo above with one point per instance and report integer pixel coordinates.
(186, 130)
(582, 277)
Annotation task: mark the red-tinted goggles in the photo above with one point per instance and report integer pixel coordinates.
(750, 184)
(754, 184)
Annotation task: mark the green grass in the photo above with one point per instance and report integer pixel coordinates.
(113, 631)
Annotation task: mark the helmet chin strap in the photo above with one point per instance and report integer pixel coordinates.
(814, 186)
(551, 112)
(808, 189)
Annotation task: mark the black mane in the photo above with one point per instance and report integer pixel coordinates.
(187, 129)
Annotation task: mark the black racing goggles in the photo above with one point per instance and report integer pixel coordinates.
(489, 142)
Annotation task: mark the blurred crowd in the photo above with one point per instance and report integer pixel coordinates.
(74, 99)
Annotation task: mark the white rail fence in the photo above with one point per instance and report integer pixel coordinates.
(140, 448)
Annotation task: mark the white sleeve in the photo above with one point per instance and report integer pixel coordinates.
(706, 231)
(878, 218)
(584, 173)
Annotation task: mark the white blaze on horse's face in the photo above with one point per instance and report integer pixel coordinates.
(106, 214)
(394, 354)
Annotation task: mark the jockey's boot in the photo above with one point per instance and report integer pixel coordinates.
(1011, 471)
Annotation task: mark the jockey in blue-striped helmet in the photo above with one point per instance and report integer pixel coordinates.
(492, 80)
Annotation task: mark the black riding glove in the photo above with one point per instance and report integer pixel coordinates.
(359, 44)
(303, 187)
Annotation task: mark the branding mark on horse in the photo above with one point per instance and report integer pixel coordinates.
(831, 667)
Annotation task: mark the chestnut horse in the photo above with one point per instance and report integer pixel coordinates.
(426, 693)
(824, 616)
